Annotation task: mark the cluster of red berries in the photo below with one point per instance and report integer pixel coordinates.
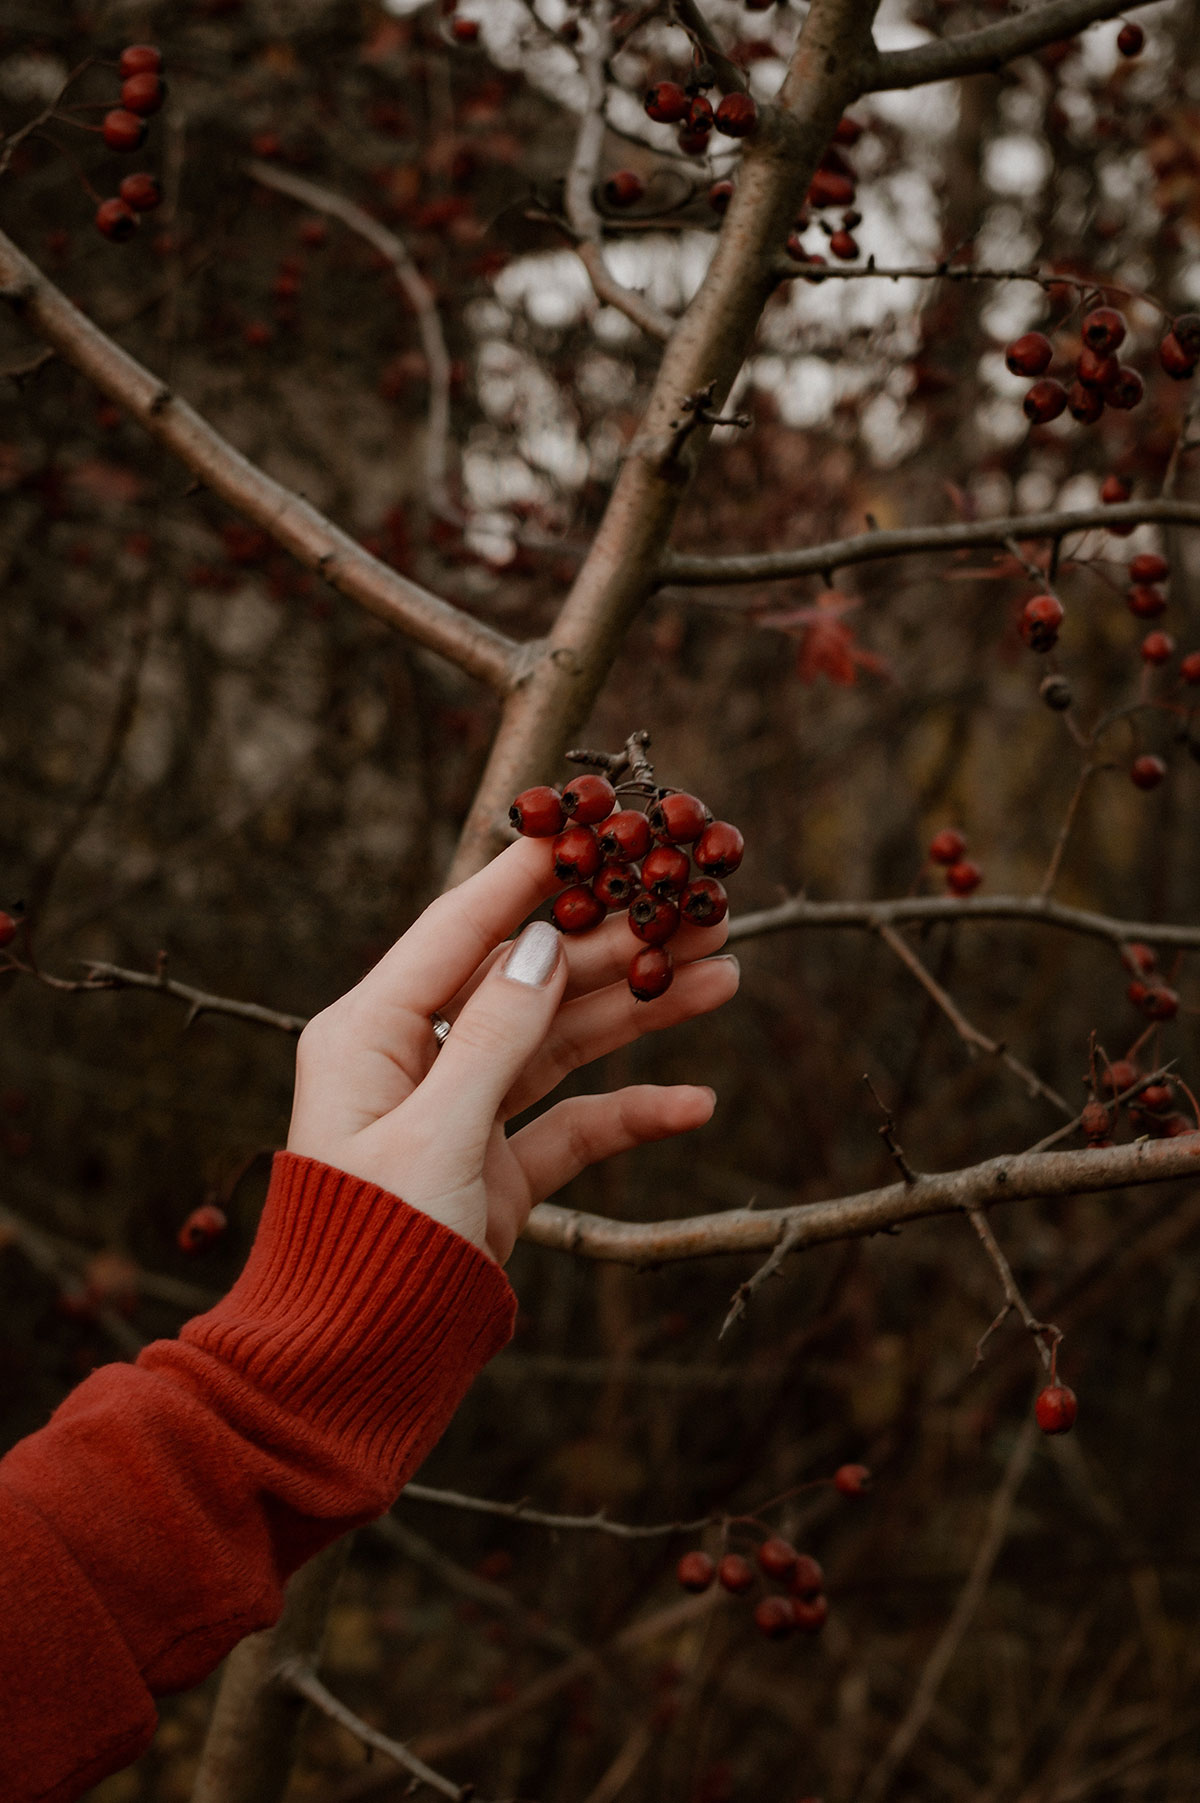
(204, 1225)
(124, 128)
(1148, 991)
(833, 185)
(687, 105)
(948, 848)
(1100, 380)
(621, 858)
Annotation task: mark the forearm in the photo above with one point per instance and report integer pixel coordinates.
(153, 1522)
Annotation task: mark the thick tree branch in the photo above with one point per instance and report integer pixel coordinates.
(951, 910)
(1015, 1178)
(978, 52)
(417, 292)
(906, 541)
(290, 520)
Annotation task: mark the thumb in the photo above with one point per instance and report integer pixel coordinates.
(496, 1034)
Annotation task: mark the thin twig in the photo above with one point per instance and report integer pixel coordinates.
(112, 976)
(304, 1681)
(887, 1133)
(971, 1036)
(1046, 1336)
(598, 1523)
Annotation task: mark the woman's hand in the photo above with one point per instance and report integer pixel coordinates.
(375, 1097)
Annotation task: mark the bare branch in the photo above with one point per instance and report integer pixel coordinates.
(787, 269)
(952, 910)
(584, 220)
(295, 524)
(978, 52)
(1010, 1178)
(598, 1523)
(969, 1034)
(420, 298)
(908, 541)
(111, 976)
(301, 1678)
(1045, 1335)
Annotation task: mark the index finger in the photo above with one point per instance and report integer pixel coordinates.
(446, 944)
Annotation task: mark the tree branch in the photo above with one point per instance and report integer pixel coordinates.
(951, 910)
(1018, 1177)
(520, 1511)
(111, 976)
(301, 1678)
(418, 293)
(978, 52)
(906, 541)
(319, 545)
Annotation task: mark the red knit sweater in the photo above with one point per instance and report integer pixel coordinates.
(152, 1522)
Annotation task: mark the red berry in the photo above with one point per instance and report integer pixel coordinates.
(1155, 1096)
(1040, 620)
(1096, 369)
(204, 1225)
(8, 929)
(1120, 1076)
(1125, 390)
(829, 188)
(1158, 648)
(1148, 566)
(720, 195)
(777, 1557)
(256, 333)
(616, 885)
(1146, 602)
(143, 94)
(1084, 404)
(123, 130)
(667, 102)
(700, 116)
(1161, 1003)
(538, 813)
(947, 847)
(1029, 355)
(719, 849)
(1056, 1409)
(844, 246)
(577, 910)
(1045, 401)
(851, 1480)
(1103, 329)
(847, 130)
(812, 256)
(692, 143)
(666, 870)
(139, 59)
(695, 1571)
(678, 818)
(624, 189)
(1139, 957)
(1096, 1122)
(773, 1617)
(704, 902)
(735, 1574)
(586, 799)
(464, 31)
(141, 192)
(963, 877)
(1178, 362)
(810, 1613)
(625, 836)
(576, 855)
(654, 920)
(1115, 489)
(1186, 329)
(1137, 992)
(807, 1577)
(736, 116)
(651, 972)
(1189, 669)
(115, 220)
(1130, 39)
(1147, 771)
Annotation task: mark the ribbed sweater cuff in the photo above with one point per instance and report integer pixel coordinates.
(359, 1314)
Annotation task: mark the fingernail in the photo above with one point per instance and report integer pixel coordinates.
(534, 955)
(727, 958)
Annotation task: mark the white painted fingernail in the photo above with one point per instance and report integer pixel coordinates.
(534, 955)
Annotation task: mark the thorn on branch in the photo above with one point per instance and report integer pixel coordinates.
(697, 411)
(887, 1133)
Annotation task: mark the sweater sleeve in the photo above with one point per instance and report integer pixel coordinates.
(153, 1521)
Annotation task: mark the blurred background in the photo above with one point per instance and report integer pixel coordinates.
(206, 753)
